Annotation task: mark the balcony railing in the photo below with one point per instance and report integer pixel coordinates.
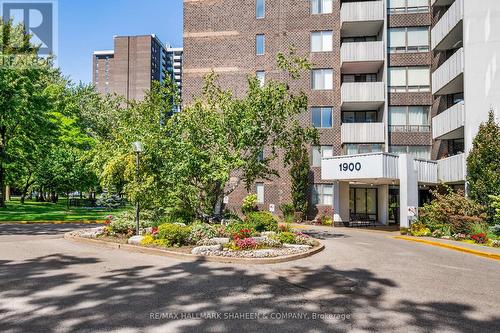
(445, 25)
(362, 52)
(448, 121)
(452, 169)
(427, 171)
(363, 133)
(362, 11)
(448, 71)
(410, 128)
(363, 92)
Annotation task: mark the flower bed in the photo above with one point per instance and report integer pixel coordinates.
(257, 237)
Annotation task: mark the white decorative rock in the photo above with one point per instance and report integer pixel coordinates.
(220, 240)
(135, 240)
(295, 246)
(92, 233)
(201, 249)
(267, 233)
(260, 239)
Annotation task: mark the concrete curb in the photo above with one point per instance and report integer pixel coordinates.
(191, 257)
(53, 222)
(488, 255)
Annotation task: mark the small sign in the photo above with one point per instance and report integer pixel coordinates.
(226, 200)
(412, 211)
(272, 208)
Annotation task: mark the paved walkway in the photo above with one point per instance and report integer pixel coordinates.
(363, 281)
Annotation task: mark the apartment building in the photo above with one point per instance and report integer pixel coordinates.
(134, 63)
(377, 92)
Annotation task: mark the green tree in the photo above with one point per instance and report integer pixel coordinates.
(483, 164)
(25, 105)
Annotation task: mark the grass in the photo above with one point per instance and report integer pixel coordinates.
(48, 212)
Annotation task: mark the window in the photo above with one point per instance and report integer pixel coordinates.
(260, 192)
(260, 8)
(261, 76)
(419, 152)
(403, 40)
(322, 194)
(408, 6)
(359, 117)
(322, 117)
(359, 78)
(364, 201)
(260, 44)
(318, 153)
(322, 41)
(409, 119)
(409, 79)
(354, 149)
(321, 6)
(322, 79)
(359, 39)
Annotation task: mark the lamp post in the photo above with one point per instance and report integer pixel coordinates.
(137, 146)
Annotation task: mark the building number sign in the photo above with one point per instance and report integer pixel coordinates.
(344, 167)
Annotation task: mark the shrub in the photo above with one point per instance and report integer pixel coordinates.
(479, 238)
(288, 211)
(287, 237)
(110, 201)
(201, 231)
(262, 221)
(242, 234)
(122, 224)
(285, 227)
(246, 244)
(441, 231)
(466, 224)
(234, 228)
(325, 221)
(495, 209)
(419, 230)
(494, 243)
(173, 234)
(221, 231)
(495, 230)
(303, 239)
(249, 204)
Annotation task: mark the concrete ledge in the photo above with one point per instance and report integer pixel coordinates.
(484, 254)
(191, 257)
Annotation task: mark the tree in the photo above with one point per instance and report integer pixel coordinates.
(483, 164)
(25, 104)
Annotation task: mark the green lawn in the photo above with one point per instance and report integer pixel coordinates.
(45, 212)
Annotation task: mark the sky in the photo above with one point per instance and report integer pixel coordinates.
(89, 25)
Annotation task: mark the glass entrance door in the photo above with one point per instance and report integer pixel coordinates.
(363, 203)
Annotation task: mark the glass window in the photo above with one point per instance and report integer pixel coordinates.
(260, 8)
(354, 149)
(322, 117)
(322, 194)
(261, 76)
(359, 117)
(321, 6)
(397, 115)
(402, 40)
(260, 192)
(322, 79)
(408, 6)
(260, 44)
(409, 79)
(318, 153)
(322, 41)
(419, 152)
(409, 119)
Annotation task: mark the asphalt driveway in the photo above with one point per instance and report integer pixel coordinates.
(362, 282)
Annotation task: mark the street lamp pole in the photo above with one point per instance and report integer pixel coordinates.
(138, 150)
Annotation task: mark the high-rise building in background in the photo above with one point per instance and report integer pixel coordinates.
(397, 90)
(134, 64)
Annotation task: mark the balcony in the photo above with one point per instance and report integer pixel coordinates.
(363, 18)
(372, 167)
(363, 133)
(448, 32)
(362, 95)
(427, 171)
(362, 57)
(452, 169)
(441, 2)
(449, 124)
(449, 77)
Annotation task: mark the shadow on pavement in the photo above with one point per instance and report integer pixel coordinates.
(57, 293)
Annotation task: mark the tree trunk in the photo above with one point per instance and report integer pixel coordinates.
(7, 193)
(26, 188)
(2, 185)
